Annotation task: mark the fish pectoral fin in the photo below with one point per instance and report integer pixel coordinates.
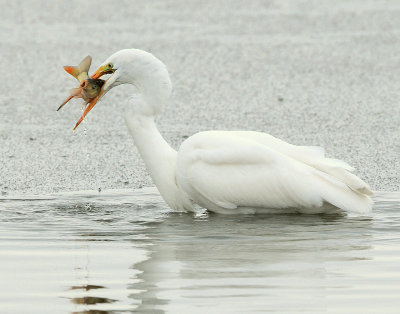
(73, 93)
(65, 101)
(89, 105)
(76, 92)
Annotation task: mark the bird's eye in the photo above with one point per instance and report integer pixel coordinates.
(110, 66)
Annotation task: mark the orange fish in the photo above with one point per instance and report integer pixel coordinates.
(89, 88)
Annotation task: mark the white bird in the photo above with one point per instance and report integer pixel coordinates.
(228, 171)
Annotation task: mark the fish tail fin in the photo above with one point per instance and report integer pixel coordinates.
(84, 66)
(74, 71)
(80, 72)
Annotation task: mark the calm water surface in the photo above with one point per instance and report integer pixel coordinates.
(123, 251)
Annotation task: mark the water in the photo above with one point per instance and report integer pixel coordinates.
(125, 251)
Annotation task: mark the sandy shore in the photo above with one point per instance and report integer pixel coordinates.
(311, 73)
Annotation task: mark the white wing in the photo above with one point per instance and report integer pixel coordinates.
(229, 170)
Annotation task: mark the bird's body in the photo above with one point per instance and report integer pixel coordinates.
(229, 171)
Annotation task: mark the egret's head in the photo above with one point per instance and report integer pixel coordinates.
(136, 67)
(108, 67)
(139, 68)
(122, 67)
(104, 69)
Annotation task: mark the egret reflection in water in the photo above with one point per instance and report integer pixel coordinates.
(123, 251)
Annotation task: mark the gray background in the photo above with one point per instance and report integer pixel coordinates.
(309, 72)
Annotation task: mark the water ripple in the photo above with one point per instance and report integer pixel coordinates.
(124, 250)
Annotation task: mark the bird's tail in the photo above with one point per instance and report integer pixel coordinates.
(340, 187)
(315, 157)
(338, 193)
(341, 171)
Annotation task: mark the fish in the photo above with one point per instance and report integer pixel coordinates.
(89, 88)
(81, 71)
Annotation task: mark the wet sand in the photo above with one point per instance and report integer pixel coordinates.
(310, 73)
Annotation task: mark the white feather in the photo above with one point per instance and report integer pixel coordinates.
(230, 172)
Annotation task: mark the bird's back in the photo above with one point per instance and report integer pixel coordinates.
(226, 171)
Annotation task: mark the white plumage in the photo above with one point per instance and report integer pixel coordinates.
(230, 171)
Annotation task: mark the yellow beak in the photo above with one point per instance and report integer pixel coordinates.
(102, 71)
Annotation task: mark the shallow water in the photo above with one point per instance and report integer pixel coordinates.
(122, 250)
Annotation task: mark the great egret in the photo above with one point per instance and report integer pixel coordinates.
(227, 171)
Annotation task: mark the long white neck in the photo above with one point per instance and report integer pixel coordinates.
(158, 156)
(151, 79)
